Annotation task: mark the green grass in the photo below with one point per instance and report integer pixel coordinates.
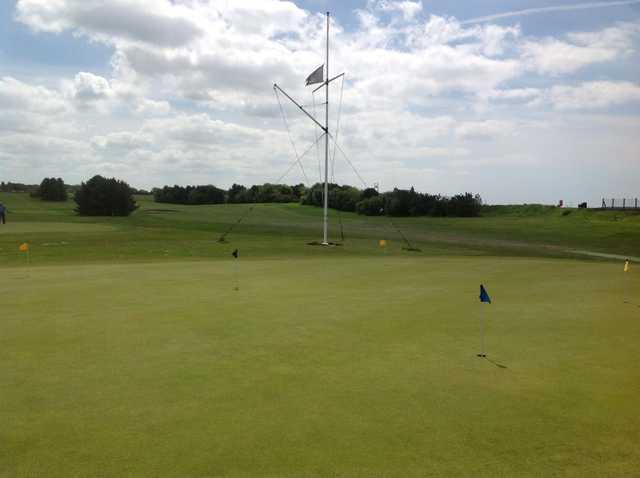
(172, 232)
(120, 359)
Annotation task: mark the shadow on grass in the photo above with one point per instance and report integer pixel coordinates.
(499, 365)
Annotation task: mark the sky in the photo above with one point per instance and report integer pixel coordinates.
(519, 101)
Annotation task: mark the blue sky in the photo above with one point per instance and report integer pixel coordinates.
(535, 105)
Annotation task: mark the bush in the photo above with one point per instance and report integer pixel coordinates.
(104, 197)
(270, 193)
(465, 205)
(236, 193)
(190, 195)
(51, 189)
(342, 198)
(373, 206)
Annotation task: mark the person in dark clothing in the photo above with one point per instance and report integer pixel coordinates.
(3, 215)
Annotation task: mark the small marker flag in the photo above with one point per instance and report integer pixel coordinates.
(316, 77)
(24, 247)
(626, 265)
(383, 243)
(484, 296)
(235, 253)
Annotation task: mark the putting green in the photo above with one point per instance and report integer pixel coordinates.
(320, 367)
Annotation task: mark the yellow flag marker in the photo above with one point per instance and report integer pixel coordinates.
(24, 247)
(382, 243)
(626, 265)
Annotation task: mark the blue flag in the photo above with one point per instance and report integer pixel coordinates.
(484, 296)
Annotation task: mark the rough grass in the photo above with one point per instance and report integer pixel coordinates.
(126, 351)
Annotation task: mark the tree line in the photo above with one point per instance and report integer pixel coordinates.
(10, 187)
(399, 202)
(209, 194)
(101, 196)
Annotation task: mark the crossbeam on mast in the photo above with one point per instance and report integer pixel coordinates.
(327, 82)
(276, 87)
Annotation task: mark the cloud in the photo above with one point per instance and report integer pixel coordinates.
(146, 107)
(200, 129)
(555, 57)
(556, 8)
(235, 50)
(188, 95)
(36, 109)
(89, 87)
(594, 95)
(515, 95)
(408, 9)
(158, 22)
(484, 130)
(121, 141)
(17, 95)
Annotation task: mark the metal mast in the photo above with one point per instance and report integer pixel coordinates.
(325, 225)
(325, 128)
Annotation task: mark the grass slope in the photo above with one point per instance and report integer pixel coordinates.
(170, 232)
(126, 351)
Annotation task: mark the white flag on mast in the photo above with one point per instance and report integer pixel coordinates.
(316, 77)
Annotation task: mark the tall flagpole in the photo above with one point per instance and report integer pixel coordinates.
(324, 83)
(326, 147)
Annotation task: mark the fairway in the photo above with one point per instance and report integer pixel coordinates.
(126, 350)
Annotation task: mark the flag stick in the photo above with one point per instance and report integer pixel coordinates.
(235, 274)
(484, 299)
(627, 282)
(482, 326)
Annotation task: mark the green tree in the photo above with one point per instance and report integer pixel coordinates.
(104, 197)
(51, 189)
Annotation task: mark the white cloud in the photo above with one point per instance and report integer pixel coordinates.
(17, 95)
(121, 141)
(158, 22)
(594, 95)
(515, 94)
(189, 95)
(555, 57)
(88, 87)
(483, 130)
(555, 8)
(408, 9)
(147, 107)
